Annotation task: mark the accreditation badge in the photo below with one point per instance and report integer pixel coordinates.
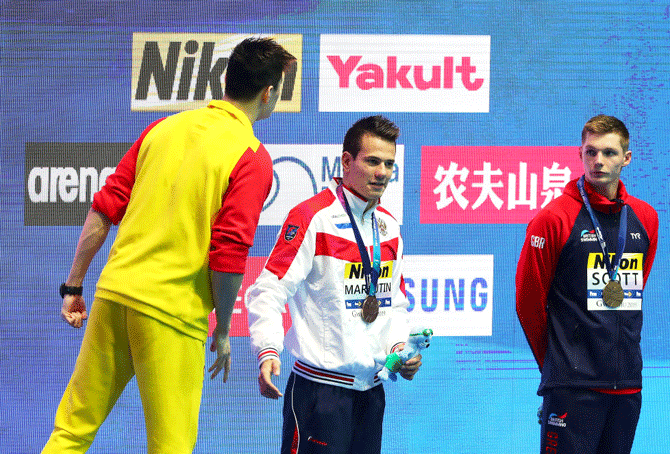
(624, 293)
(356, 292)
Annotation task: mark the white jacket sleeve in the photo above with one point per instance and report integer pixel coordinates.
(285, 271)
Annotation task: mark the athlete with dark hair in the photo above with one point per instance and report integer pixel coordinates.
(338, 263)
(187, 197)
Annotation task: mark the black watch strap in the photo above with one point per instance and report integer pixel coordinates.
(67, 290)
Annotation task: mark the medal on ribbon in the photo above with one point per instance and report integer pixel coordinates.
(370, 309)
(613, 292)
(370, 305)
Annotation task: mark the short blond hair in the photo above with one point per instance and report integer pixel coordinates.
(604, 124)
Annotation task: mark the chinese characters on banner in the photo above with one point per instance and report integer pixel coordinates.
(491, 184)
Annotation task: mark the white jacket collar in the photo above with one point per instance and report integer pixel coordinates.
(356, 203)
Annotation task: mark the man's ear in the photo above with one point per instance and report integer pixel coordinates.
(266, 94)
(346, 160)
(627, 156)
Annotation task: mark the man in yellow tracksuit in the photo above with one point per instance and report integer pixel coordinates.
(187, 197)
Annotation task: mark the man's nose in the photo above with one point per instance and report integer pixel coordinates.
(381, 172)
(598, 160)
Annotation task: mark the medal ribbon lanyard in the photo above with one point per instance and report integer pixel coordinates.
(612, 267)
(371, 271)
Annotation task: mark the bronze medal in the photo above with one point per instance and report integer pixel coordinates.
(613, 294)
(370, 309)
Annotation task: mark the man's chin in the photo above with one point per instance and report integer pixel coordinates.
(601, 181)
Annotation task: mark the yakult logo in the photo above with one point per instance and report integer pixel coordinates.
(401, 76)
(413, 73)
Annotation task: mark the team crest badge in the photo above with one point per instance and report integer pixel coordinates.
(382, 227)
(291, 232)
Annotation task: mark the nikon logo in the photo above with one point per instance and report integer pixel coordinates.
(627, 263)
(62, 178)
(179, 71)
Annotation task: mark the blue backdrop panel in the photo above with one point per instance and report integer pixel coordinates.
(66, 74)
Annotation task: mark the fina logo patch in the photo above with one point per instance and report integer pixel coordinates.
(291, 232)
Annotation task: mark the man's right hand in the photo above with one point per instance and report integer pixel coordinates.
(74, 310)
(269, 368)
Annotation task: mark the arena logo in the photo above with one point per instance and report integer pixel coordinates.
(66, 184)
(414, 73)
(61, 179)
(452, 294)
(180, 71)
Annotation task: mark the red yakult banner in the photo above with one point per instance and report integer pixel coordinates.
(492, 184)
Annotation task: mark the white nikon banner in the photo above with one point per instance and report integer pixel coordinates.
(181, 71)
(452, 294)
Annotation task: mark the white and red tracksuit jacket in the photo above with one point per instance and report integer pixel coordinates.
(315, 266)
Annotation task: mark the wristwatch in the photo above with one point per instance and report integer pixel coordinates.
(68, 290)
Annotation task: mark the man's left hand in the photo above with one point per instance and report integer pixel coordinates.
(220, 345)
(410, 368)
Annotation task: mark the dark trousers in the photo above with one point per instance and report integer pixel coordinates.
(320, 418)
(582, 421)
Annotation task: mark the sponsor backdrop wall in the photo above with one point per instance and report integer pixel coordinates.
(490, 97)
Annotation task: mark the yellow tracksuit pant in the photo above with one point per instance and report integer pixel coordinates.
(120, 342)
